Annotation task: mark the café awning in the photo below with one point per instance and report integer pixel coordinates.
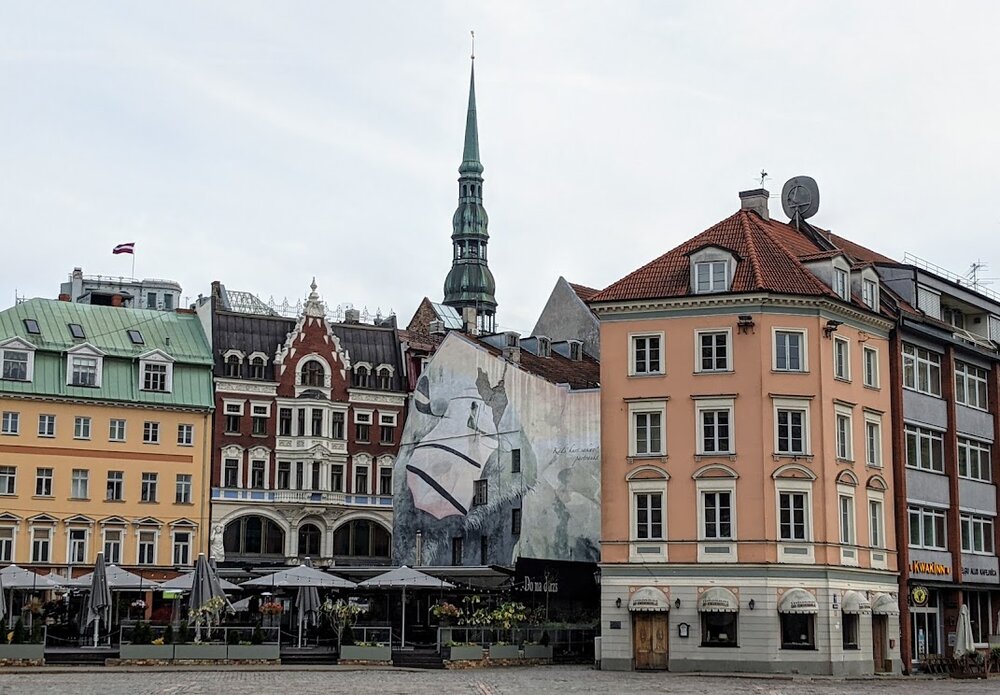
(855, 603)
(648, 598)
(884, 604)
(798, 601)
(718, 599)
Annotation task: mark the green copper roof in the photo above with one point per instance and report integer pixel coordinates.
(470, 156)
(106, 328)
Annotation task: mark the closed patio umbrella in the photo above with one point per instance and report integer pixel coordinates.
(3, 604)
(965, 641)
(204, 587)
(405, 578)
(99, 601)
(307, 603)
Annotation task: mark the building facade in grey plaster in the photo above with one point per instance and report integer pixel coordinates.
(566, 316)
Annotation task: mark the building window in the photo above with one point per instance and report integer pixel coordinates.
(789, 351)
(361, 377)
(869, 294)
(43, 482)
(385, 481)
(793, 510)
(456, 551)
(337, 425)
(361, 480)
(711, 276)
(980, 610)
(154, 377)
(309, 540)
(233, 366)
(649, 516)
(791, 431)
(259, 415)
(147, 548)
(647, 430)
(8, 480)
(927, 528)
(231, 473)
(515, 460)
(116, 486)
(846, 506)
(515, 521)
(873, 442)
(315, 472)
(11, 423)
(234, 413)
(313, 374)
(182, 547)
(148, 490)
(484, 550)
(871, 366)
(480, 492)
(112, 546)
(285, 422)
(841, 283)
(363, 426)
(300, 471)
(257, 368)
(718, 515)
(16, 365)
(337, 478)
(851, 622)
(970, 386)
(798, 631)
(719, 629)
(185, 435)
(6, 544)
(647, 355)
(151, 432)
(41, 544)
(974, 460)
(254, 535)
(84, 371)
(81, 428)
(384, 377)
(713, 351)
(977, 534)
(284, 479)
(924, 449)
(316, 422)
(77, 546)
(46, 425)
(845, 445)
(258, 474)
(921, 370)
(841, 359)
(301, 417)
(182, 493)
(387, 427)
(714, 435)
(79, 484)
(876, 524)
(116, 431)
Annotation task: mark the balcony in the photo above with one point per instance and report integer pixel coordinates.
(319, 497)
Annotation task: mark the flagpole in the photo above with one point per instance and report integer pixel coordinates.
(133, 264)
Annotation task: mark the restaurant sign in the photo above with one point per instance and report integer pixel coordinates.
(933, 568)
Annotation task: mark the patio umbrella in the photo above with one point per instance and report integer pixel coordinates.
(184, 582)
(965, 642)
(307, 602)
(14, 577)
(204, 587)
(99, 601)
(405, 578)
(301, 575)
(3, 604)
(118, 579)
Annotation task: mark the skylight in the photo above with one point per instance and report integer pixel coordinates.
(31, 325)
(76, 330)
(136, 337)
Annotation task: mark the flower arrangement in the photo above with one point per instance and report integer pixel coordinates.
(508, 614)
(271, 608)
(139, 604)
(446, 610)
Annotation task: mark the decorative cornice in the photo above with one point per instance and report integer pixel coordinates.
(374, 398)
(266, 388)
(107, 402)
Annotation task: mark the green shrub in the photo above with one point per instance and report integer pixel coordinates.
(257, 636)
(36, 632)
(232, 637)
(182, 633)
(168, 635)
(142, 634)
(20, 635)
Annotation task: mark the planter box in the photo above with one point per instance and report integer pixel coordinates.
(254, 651)
(473, 652)
(22, 651)
(164, 652)
(200, 651)
(537, 651)
(504, 651)
(352, 652)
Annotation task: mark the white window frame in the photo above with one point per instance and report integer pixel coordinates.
(9, 558)
(51, 477)
(968, 445)
(636, 408)
(876, 534)
(263, 468)
(121, 487)
(49, 419)
(157, 357)
(660, 369)
(153, 485)
(985, 525)
(10, 422)
(359, 467)
(802, 404)
(113, 429)
(120, 530)
(848, 534)
(239, 470)
(82, 427)
(88, 352)
(842, 283)
(870, 357)
(656, 549)
(69, 544)
(18, 345)
(715, 485)
(50, 530)
(873, 455)
(920, 358)
(971, 380)
(76, 480)
(706, 405)
(9, 488)
(185, 434)
(841, 348)
(923, 513)
(710, 266)
(869, 293)
(174, 544)
(804, 344)
(189, 486)
(921, 432)
(843, 432)
(804, 487)
(699, 367)
(138, 544)
(151, 432)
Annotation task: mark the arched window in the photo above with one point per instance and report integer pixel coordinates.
(361, 377)
(233, 366)
(309, 540)
(313, 374)
(257, 368)
(253, 535)
(361, 538)
(384, 378)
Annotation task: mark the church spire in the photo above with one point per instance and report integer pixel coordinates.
(470, 157)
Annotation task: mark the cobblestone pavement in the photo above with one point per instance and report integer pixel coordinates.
(520, 681)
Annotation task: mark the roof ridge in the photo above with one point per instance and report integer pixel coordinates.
(795, 259)
(752, 250)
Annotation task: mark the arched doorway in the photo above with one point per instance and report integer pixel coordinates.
(310, 538)
(362, 538)
(253, 538)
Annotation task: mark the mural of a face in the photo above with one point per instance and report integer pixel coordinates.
(443, 467)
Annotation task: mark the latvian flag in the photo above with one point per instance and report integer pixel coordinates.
(124, 248)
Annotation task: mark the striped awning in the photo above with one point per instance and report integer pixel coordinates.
(648, 598)
(798, 601)
(884, 604)
(855, 603)
(718, 599)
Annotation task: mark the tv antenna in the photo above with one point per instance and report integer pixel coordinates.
(973, 275)
(800, 198)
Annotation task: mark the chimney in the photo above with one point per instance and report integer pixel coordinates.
(352, 316)
(116, 300)
(755, 200)
(64, 297)
(469, 324)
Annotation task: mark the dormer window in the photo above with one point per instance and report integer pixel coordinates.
(257, 368)
(544, 347)
(869, 293)
(16, 364)
(384, 377)
(841, 283)
(711, 276)
(575, 350)
(84, 370)
(361, 377)
(156, 372)
(233, 366)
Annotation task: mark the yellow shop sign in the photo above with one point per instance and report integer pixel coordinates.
(935, 568)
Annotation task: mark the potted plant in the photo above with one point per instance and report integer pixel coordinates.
(17, 644)
(143, 646)
(343, 615)
(463, 651)
(502, 650)
(252, 649)
(446, 613)
(366, 651)
(507, 615)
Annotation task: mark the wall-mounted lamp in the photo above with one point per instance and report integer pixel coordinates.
(677, 603)
(618, 602)
(835, 604)
(751, 604)
(597, 576)
(830, 327)
(745, 323)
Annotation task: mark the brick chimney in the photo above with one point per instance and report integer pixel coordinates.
(755, 200)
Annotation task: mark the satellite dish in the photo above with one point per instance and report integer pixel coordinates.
(800, 197)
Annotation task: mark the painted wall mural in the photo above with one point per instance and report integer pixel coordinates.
(476, 421)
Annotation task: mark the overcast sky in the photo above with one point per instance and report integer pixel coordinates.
(262, 143)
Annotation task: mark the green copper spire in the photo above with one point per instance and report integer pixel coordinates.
(470, 282)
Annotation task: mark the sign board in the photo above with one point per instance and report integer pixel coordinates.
(919, 595)
(935, 569)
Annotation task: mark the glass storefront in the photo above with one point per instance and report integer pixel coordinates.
(925, 623)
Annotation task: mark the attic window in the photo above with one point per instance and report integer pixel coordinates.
(711, 276)
(31, 325)
(869, 294)
(841, 285)
(76, 330)
(544, 347)
(136, 337)
(575, 351)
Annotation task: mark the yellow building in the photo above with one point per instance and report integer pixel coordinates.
(105, 426)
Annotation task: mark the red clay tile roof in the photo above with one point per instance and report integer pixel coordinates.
(583, 292)
(858, 252)
(581, 374)
(769, 253)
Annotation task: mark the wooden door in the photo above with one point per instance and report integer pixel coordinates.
(878, 643)
(650, 641)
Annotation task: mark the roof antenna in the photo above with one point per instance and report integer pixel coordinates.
(473, 44)
(763, 177)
